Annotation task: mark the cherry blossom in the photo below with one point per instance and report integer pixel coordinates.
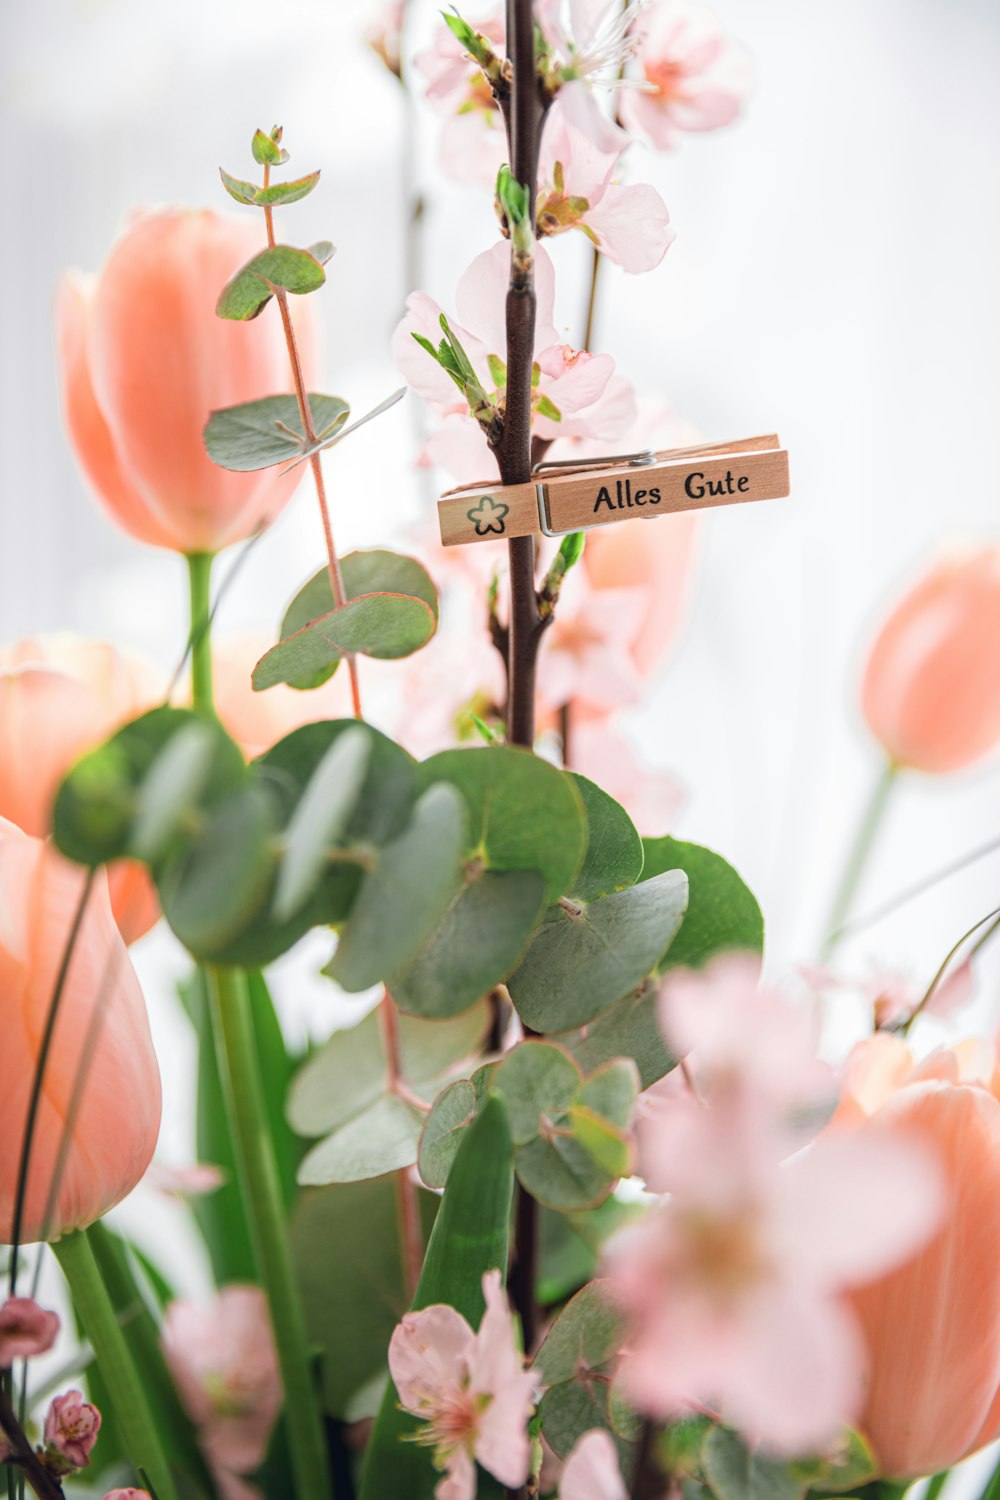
(577, 189)
(71, 1428)
(591, 1472)
(585, 656)
(470, 1389)
(473, 141)
(384, 36)
(689, 74)
(25, 1330)
(652, 798)
(574, 394)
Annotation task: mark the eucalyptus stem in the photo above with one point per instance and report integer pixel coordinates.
(261, 1188)
(864, 841)
(125, 1384)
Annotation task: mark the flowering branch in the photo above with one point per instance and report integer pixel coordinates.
(42, 1480)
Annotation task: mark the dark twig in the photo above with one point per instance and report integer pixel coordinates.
(42, 1481)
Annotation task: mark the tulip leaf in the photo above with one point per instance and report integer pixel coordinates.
(722, 912)
(365, 572)
(405, 894)
(246, 294)
(97, 803)
(286, 192)
(386, 626)
(735, 1472)
(614, 857)
(523, 813)
(579, 963)
(478, 941)
(248, 437)
(351, 1315)
(238, 188)
(567, 1150)
(630, 1028)
(469, 1238)
(320, 817)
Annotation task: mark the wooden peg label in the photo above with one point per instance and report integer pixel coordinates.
(579, 502)
(483, 515)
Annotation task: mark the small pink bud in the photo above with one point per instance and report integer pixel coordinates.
(128, 1494)
(71, 1429)
(25, 1329)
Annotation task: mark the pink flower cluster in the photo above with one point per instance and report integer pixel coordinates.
(737, 1279)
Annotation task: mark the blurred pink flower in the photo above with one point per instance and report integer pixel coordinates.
(689, 75)
(71, 1428)
(129, 1493)
(892, 996)
(471, 1390)
(585, 656)
(25, 1329)
(473, 141)
(185, 1182)
(257, 720)
(577, 190)
(575, 393)
(591, 1472)
(225, 1367)
(735, 1283)
(384, 36)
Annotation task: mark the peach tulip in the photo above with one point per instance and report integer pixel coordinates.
(932, 1326)
(931, 689)
(61, 695)
(257, 720)
(144, 360)
(117, 1106)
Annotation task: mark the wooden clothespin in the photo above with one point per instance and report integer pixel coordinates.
(590, 492)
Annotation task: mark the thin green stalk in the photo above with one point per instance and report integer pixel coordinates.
(936, 1485)
(261, 1188)
(992, 1490)
(864, 841)
(200, 580)
(124, 1382)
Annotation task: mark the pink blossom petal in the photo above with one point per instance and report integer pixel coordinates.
(591, 1472)
(428, 1354)
(26, 1330)
(632, 225)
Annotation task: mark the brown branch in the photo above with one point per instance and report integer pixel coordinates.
(42, 1480)
(407, 1202)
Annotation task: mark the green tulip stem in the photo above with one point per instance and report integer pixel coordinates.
(936, 1485)
(257, 1168)
(124, 1381)
(857, 860)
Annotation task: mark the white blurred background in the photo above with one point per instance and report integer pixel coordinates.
(834, 277)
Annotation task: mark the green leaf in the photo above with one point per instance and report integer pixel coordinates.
(577, 966)
(386, 626)
(405, 895)
(323, 251)
(214, 889)
(238, 188)
(452, 1112)
(175, 784)
(387, 795)
(576, 1361)
(570, 1246)
(735, 1472)
(351, 1314)
(722, 911)
(246, 293)
(266, 150)
(523, 813)
(614, 857)
(479, 940)
(319, 819)
(850, 1466)
(247, 437)
(96, 803)
(366, 572)
(630, 1028)
(383, 1138)
(567, 1153)
(286, 192)
(470, 1237)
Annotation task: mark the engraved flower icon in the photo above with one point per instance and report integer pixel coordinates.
(488, 516)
